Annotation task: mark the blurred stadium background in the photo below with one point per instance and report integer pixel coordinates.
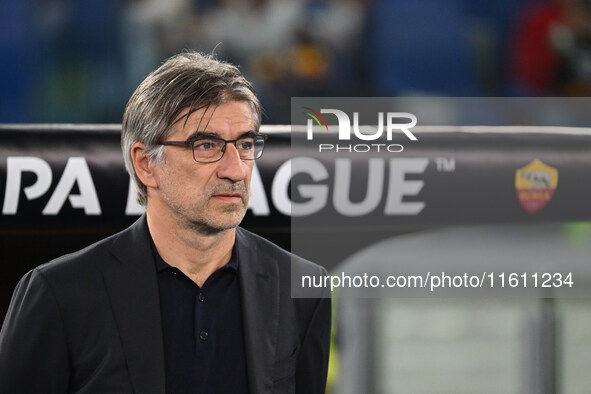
(79, 60)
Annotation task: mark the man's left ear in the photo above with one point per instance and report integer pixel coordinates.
(143, 165)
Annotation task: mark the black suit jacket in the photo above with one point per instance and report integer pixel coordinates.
(89, 322)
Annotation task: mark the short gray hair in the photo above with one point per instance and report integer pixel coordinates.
(188, 80)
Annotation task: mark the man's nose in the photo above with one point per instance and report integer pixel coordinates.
(231, 166)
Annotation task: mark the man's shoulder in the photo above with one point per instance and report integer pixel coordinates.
(282, 257)
(83, 261)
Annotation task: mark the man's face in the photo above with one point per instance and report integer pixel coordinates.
(209, 197)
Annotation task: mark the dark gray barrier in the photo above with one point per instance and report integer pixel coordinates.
(63, 186)
(71, 179)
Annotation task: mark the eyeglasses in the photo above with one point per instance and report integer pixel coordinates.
(211, 149)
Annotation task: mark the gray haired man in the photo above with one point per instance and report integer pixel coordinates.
(184, 300)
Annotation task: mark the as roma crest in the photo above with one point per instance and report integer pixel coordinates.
(535, 185)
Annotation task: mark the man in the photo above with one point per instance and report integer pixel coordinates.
(183, 301)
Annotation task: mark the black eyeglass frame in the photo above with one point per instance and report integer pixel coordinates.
(190, 142)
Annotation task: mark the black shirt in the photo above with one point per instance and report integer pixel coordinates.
(202, 330)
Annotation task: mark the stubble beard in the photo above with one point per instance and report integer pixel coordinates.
(204, 220)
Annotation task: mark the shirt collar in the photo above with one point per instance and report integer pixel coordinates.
(161, 265)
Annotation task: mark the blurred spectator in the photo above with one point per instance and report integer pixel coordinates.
(489, 28)
(22, 35)
(79, 60)
(288, 48)
(83, 81)
(420, 47)
(552, 52)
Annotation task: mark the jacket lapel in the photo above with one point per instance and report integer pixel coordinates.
(259, 286)
(132, 286)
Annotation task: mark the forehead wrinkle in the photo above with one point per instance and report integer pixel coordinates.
(186, 116)
(201, 129)
(193, 107)
(190, 112)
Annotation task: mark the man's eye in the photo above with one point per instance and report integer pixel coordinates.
(204, 145)
(245, 145)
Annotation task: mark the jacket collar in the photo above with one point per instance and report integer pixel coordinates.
(259, 283)
(132, 285)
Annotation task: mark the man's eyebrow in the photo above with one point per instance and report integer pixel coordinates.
(213, 134)
(200, 134)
